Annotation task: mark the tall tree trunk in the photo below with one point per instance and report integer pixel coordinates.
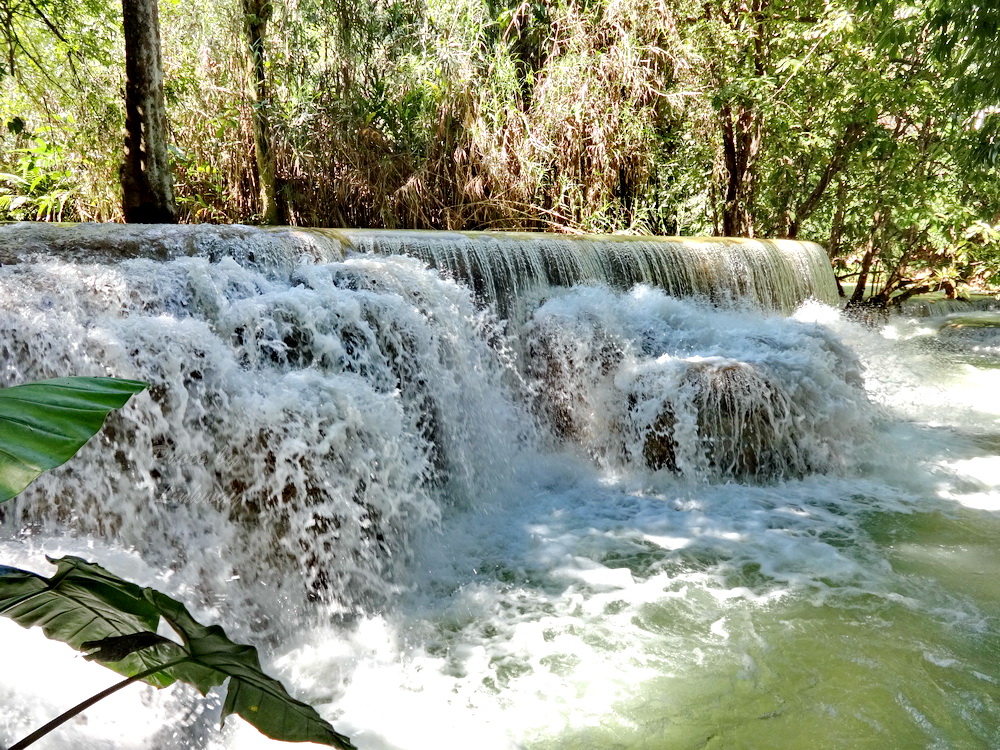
(742, 125)
(147, 185)
(741, 138)
(256, 14)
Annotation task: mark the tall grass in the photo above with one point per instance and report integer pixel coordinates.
(458, 114)
(558, 115)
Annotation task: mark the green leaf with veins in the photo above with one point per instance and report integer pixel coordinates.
(89, 608)
(83, 603)
(42, 425)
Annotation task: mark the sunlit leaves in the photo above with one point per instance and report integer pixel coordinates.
(43, 424)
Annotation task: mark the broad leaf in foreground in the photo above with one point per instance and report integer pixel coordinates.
(83, 603)
(259, 699)
(43, 424)
(89, 608)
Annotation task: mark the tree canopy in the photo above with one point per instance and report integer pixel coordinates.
(870, 127)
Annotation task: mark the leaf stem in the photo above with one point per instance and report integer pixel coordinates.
(84, 705)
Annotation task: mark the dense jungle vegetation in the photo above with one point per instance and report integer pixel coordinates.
(871, 127)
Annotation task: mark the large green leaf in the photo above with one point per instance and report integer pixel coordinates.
(82, 603)
(259, 699)
(89, 608)
(43, 424)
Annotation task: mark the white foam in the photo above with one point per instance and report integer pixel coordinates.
(488, 584)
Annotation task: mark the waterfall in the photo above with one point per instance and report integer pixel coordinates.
(510, 490)
(501, 267)
(504, 268)
(317, 397)
(296, 419)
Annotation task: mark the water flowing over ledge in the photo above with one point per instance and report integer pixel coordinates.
(345, 394)
(501, 267)
(614, 517)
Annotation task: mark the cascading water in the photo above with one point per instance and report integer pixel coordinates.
(643, 383)
(505, 270)
(618, 519)
(510, 268)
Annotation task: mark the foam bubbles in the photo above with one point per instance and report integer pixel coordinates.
(444, 534)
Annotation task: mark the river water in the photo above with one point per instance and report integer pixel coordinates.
(447, 533)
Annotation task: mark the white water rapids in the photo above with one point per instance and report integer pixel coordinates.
(628, 521)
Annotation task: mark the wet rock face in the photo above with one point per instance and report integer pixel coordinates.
(659, 449)
(567, 377)
(744, 425)
(653, 395)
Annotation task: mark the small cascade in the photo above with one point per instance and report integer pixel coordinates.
(504, 268)
(645, 380)
(935, 308)
(971, 335)
(276, 247)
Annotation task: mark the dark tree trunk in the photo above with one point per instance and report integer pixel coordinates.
(837, 228)
(742, 128)
(256, 14)
(741, 139)
(868, 259)
(147, 185)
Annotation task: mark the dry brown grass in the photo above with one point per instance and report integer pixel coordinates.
(573, 149)
(545, 117)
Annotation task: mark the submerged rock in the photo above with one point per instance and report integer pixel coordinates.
(646, 389)
(744, 423)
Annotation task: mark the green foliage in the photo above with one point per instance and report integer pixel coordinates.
(83, 603)
(95, 611)
(965, 36)
(43, 424)
(42, 186)
(870, 127)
